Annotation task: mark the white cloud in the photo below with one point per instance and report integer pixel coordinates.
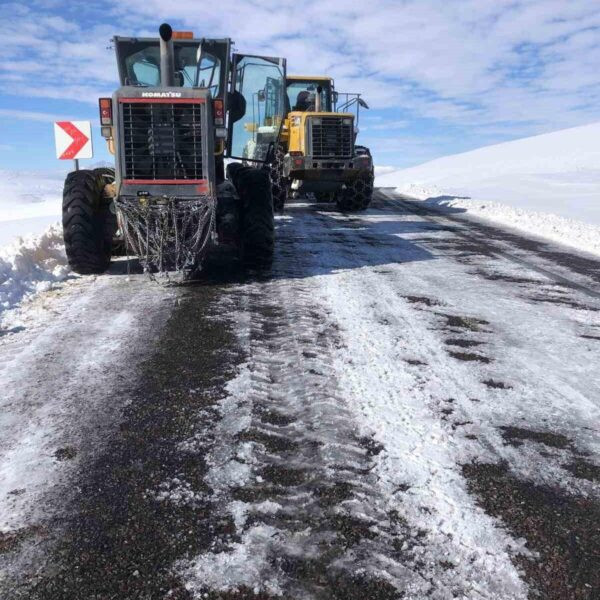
(389, 125)
(28, 115)
(507, 65)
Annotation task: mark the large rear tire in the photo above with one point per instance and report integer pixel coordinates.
(279, 183)
(257, 232)
(88, 223)
(358, 193)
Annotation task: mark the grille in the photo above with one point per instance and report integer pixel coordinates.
(331, 137)
(162, 141)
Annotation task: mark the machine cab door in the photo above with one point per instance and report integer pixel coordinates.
(258, 85)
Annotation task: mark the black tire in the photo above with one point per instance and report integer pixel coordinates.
(108, 173)
(118, 245)
(257, 230)
(279, 183)
(88, 223)
(357, 195)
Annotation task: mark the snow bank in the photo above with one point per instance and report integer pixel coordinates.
(548, 185)
(31, 265)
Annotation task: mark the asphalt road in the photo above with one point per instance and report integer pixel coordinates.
(405, 406)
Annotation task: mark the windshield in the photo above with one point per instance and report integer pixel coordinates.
(301, 94)
(139, 64)
(260, 81)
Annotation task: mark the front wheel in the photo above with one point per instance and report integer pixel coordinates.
(358, 193)
(88, 223)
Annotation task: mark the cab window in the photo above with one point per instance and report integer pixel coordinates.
(143, 67)
(301, 95)
(208, 74)
(141, 62)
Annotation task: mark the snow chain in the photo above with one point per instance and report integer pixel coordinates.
(169, 235)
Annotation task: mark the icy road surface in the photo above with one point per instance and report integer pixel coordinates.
(406, 406)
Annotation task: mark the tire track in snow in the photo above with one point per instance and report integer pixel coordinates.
(544, 484)
(538, 256)
(335, 459)
(291, 468)
(321, 509)
(139, 503)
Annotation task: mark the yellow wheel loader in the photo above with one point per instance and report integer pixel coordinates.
(317, 153)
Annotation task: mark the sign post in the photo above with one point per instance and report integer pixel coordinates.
(73, 140)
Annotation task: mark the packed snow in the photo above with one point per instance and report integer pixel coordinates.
(547, 185)
(387, 302)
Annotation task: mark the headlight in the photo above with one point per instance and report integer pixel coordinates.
(295, 121)
(347, 121)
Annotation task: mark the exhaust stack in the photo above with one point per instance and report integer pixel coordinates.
(318, 99)
(167, 56)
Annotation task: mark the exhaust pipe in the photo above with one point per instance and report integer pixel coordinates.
(167, 56)
(318, 99)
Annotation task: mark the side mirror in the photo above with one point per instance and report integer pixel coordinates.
(236, 105)
(363, 103)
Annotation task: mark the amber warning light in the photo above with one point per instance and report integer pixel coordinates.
(183, 35)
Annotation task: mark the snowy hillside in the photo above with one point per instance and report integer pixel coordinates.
(30, 201)
(548, 184)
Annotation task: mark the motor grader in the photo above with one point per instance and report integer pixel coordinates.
(181, 110)
(317, 152)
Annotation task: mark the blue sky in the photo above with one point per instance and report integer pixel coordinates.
(441, 77)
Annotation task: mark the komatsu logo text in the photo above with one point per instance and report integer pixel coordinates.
(161, 94)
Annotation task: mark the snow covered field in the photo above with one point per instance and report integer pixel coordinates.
(30, 201)
(547, 185)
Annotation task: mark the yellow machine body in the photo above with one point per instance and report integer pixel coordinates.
(312, 161)
(294, 130)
